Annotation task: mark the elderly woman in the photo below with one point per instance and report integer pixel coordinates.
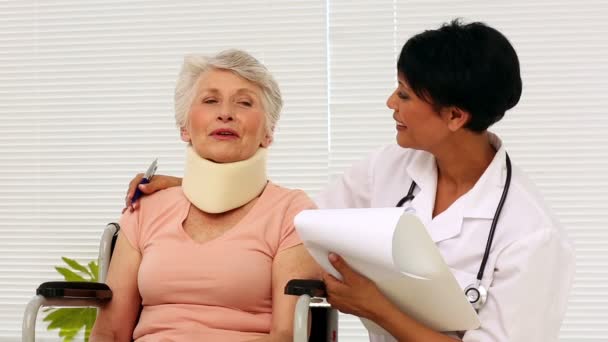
(208, 261)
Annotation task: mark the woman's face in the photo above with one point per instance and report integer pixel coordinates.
(227, 121)
(419, 125)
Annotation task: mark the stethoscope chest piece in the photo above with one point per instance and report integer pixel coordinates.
(477, 295)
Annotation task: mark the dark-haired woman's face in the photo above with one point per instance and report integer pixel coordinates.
(418, 124)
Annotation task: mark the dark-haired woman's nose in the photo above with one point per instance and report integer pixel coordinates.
(391, 101)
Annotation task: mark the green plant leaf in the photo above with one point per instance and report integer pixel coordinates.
(91, 315)
(70, 321)
(69, 275)
(76, 266)
(68, 334)
(94, 271)
(68, 318)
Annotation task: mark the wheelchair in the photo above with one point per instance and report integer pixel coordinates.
(311, 299)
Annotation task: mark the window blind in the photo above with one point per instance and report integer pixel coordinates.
(86, 101)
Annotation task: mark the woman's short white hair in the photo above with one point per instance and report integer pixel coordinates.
(237, 61)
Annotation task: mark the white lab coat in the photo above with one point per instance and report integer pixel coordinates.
(531, 263)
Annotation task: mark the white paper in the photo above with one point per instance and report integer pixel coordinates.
(393, 249)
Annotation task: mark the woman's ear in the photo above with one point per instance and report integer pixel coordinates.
(266, 141)
(184, 134)
(456, 118)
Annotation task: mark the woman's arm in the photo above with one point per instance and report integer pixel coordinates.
(291, 263)
(357, 295)
(117, 319)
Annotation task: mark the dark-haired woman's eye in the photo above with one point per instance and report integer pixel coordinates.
(403, 96)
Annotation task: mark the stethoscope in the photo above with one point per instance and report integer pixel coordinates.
(476, 293)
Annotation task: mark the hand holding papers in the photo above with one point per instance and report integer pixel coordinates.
(393, 249)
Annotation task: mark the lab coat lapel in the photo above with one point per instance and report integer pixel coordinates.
(423, 171)
(448, 224)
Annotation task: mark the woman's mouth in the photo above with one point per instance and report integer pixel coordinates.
(224, 134)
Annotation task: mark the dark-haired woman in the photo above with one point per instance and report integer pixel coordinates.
(455, 82)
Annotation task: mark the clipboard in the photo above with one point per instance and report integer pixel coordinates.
(392, 247)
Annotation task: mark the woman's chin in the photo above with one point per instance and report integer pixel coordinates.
(224, 157)
(403, 141)
(222, 153)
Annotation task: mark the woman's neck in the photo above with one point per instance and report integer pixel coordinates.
(462, 160)
(460, 163)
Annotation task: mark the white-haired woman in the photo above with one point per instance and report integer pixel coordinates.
(208, 260)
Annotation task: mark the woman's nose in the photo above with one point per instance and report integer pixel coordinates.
(390, 102)
(225, 117)
(225, 114)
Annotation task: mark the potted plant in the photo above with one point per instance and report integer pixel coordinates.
(70, 321)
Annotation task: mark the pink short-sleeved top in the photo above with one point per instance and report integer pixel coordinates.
(218, 290)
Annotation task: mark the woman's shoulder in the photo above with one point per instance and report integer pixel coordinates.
(393, 156)
(528, 212)
(162, 201)
(527, 197)
(392, 161)
(279, 193)
(161, 207)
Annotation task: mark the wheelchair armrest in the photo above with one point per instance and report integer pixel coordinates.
(313, 288)
(74, 290)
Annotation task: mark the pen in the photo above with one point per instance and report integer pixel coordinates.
(147, 177)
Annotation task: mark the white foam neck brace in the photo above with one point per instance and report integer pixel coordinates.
(216, 188)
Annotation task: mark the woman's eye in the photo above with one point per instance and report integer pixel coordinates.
(209, 101)
(403, 96)
(245, 103)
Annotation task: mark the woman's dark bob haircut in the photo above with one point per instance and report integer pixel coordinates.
(469, 66)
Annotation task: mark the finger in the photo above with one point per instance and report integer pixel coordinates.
(132, 186)
(335, 291)
(156, 183)
(327, 277)
(333, 284)
(341, 266)
(149, 188)
(136, 180)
